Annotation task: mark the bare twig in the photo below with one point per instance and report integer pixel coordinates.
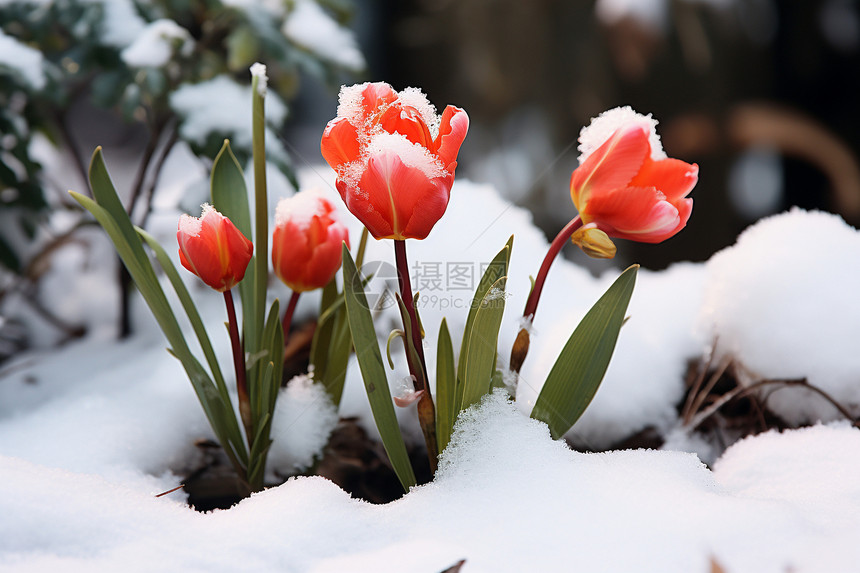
(156, 174)
(741, 391)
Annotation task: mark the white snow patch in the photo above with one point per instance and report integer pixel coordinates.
(411, 154)
(222, 106)
(304, 417)
(351, 103)
(301, 208)
(782, 303)
(607, 123)
(274, 7)
(121, 24)
(157, 44)
(23, 60)
(258, 71)
(309, 26)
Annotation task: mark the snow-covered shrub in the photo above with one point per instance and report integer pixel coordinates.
(160, 67)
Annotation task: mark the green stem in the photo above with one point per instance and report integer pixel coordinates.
(261, 216)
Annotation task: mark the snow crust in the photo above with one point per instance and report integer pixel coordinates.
(601, 128)
(157, 44)
(506, 498)
(309, 26)
(23, 60)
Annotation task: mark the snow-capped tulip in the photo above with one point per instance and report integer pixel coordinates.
(306, 243)
(213, 248)
(625, 184)
(394, 157)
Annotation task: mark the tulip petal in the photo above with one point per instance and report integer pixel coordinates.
(204, 260)
(236, 251)
(401, 202)
(638, 213)
(674, 178)
(375, 96)
(406, 121)
(339, 142)
(452, 132)
(612, 166)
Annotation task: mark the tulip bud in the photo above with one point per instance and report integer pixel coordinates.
(593, 242)
(306, 243)
(213, 248)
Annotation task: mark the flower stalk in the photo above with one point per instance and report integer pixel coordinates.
(239, 365)
(521, 344)
(288, 315)
(426, 409)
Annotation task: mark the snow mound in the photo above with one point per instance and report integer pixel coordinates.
(782, 304)
(303, 419)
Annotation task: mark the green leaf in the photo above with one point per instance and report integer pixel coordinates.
(483, 341)
(191, 311)
(230, 198)
(144, 276)
(338, 359)
(579, 369)
(497, 269)
(321, 343)
(373, 372)
(109, 212)
(273, 342)
(446, 379)
(229, 193)
(330, 359)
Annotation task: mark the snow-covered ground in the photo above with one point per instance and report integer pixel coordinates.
(91, 432)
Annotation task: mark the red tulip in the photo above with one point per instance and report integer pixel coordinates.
(213, 248)
(306, 244)
(628, 187)
(395, 159)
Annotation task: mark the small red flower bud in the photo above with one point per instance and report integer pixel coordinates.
(213, 248)
(306, 243)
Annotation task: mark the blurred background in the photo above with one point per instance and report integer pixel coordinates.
(761, 94)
